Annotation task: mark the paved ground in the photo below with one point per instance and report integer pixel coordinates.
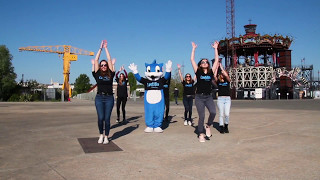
(267, 140)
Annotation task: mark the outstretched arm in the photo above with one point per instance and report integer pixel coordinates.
(110, 62)
(125, 73)
(216, 56)
(117, 74)
(167, 75)
(181, 78)
(194, 64)
(92, 62)
(224, 73)
(96, 60)
(215, 73)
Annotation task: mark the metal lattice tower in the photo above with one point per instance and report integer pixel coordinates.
(230, 20)
(230, 26)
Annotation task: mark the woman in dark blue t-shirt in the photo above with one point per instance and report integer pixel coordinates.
(224, 99)
(188, 95)
(103, 73)
(203, 97)
(122, 93)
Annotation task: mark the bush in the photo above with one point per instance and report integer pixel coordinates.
(25, 97)
(14, 98)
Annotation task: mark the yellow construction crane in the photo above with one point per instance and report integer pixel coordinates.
(69, 54)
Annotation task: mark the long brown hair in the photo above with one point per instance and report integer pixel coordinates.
(209, 70)
(121, 80)
(107, 72)
(185, 78)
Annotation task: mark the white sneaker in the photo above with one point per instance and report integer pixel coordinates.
(148, 130)
(100, 139)
(189, 123)
(202, 139)
(185, 122)
(106, 140)
(158, 130)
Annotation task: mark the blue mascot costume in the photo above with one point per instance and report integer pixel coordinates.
(153, 96)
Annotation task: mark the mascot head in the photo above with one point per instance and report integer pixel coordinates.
(154, 71)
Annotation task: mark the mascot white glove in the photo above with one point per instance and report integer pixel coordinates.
(169, 66)
(133, 68)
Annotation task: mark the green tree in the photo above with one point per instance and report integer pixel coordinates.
(82, 84)
(132, 82)
(7, 74)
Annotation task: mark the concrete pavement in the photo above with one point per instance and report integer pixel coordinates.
(267, 140)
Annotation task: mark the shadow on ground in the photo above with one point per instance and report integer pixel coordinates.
(124, 132)
(129, 120)
(166, 123)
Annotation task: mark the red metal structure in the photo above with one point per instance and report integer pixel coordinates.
(230, 27)
(256, 50)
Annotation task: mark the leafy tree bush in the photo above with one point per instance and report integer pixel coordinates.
(7, 74)
(82, 84)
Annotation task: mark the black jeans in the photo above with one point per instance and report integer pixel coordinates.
(201, 102)
(123, 101)
(187, 102)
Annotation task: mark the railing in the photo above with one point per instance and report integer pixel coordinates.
(87, 96)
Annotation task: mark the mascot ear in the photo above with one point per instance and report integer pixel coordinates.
(161, 64)
(146, 64)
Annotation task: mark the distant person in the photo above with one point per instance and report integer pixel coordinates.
(176, 94)
(224, 99)
(122, 94)
(103, 73)
(188, 96)
(203, 97)
(166, 93)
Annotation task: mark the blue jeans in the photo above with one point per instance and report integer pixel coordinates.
(104, 105)
(202, 102)
(187, 102)
(224, 104)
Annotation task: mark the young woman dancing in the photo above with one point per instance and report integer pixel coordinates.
(224, 100)
(103, 73)
(203, 97)
(122, 93)
(188, 96)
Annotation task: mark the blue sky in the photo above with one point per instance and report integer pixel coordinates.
(140, 31)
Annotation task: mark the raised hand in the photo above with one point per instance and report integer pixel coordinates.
(215, 44)
(92, 61)
(179, 66)
(105, 43)
(169, 66)
(113, 61)
(121, 68)
(102, 43)
(194, 46)
(133, 68)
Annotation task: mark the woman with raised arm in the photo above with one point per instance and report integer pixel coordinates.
(188, 96)
(103, 73)
(122, 93)
(203, 97)
(224, 100)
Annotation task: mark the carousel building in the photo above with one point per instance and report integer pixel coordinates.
(253, 61)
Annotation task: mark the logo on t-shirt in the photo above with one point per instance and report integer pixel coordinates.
(153, 84)
(223, 84)
(105, 78)
(188, 85)
(206, 78)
